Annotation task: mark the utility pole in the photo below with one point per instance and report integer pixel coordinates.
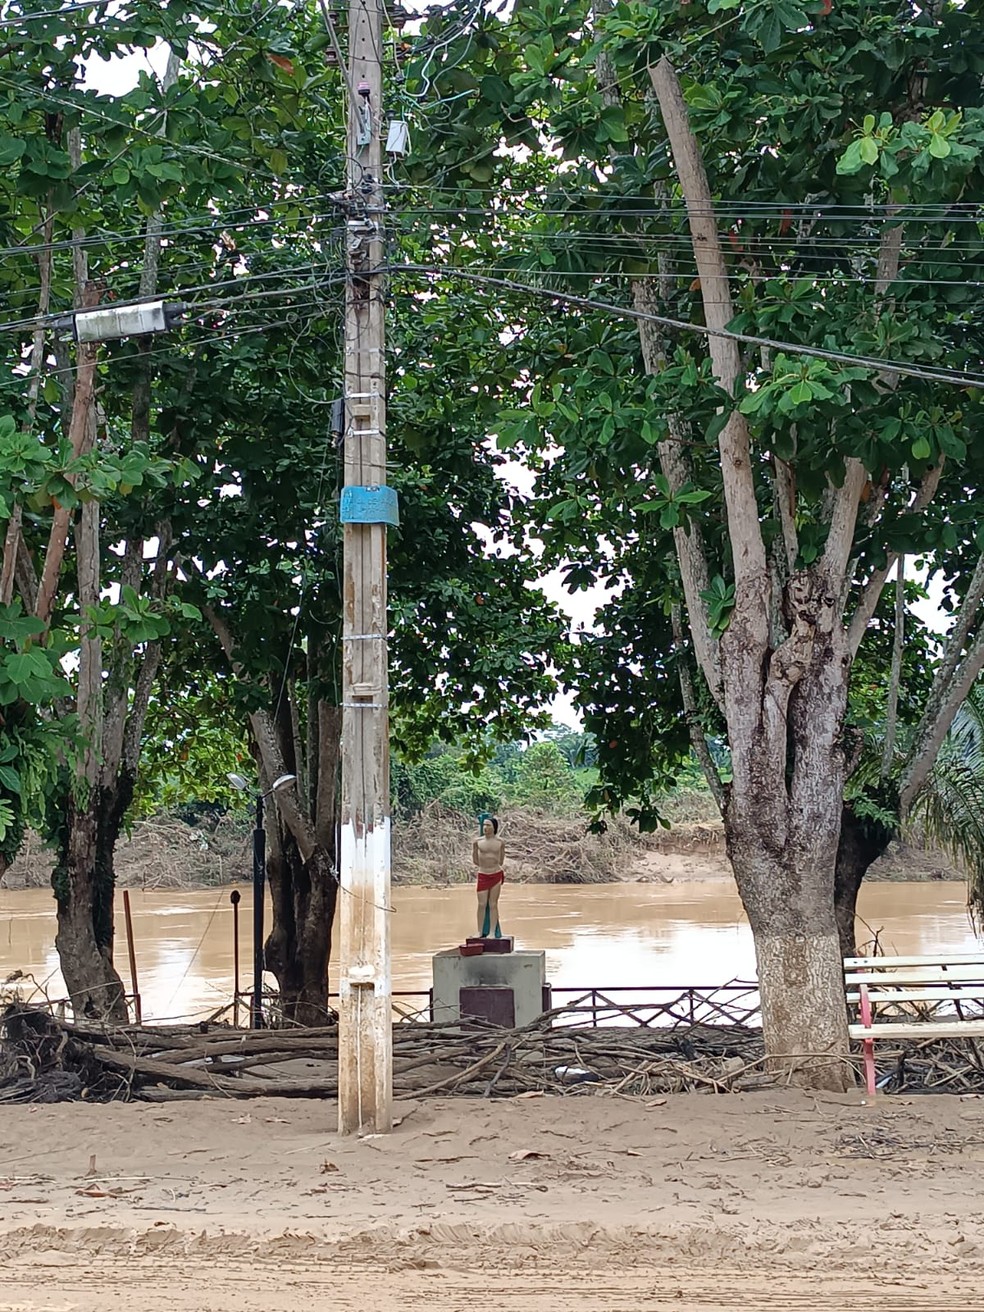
(365, 1064)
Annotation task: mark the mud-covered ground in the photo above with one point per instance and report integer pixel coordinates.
(594, 1203)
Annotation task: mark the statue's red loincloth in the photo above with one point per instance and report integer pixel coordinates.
(485, 882)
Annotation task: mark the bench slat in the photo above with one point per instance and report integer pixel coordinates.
(919, 1029)
(907, 977)
(959, 959)
(887, 979)
(879, 998)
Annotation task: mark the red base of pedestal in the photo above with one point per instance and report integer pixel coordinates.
(504, 944)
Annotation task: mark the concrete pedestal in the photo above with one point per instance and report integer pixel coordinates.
(506, 987)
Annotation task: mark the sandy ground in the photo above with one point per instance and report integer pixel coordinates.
(696, 1203)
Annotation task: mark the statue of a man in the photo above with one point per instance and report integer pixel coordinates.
(488, 854)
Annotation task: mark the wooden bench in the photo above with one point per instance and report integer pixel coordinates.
(899, 985)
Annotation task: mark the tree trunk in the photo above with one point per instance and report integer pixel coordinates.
(862, 842)
(789, 902)
(782, 824)
(304, 892)
(304, 895)
(84, 882)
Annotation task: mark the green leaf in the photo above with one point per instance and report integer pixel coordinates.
(16, 627)
(939, 147)
(869, 150)
(716, 426)
(769, 32)
(11, 150)
(790, 15)
(889, 167)
(534, 59)
(10, 779)
(753, 401)
(851, 160)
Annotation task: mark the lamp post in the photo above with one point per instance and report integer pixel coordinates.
(259, 889)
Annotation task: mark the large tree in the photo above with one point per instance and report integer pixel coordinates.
(121, 199)
(207, 459)
(776, 195)
(472, 636)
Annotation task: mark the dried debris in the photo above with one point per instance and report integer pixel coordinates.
(44, 1059)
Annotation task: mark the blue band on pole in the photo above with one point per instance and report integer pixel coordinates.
(369, 505)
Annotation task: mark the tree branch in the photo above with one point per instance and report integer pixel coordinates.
(79, 435)
(90, 682)
(271, 757)
(748, 549)
(846, 504)
(889, 253)
(697, 739)
(26, 577)
(786, 502)
(125, 717)
(871, 593)
(948, 673)
(326, 806)
(140, 414)
(143, 688)
(674, 463)
(12, 541)
(892, 711)
(687, 539)
(935, 729)
(131, 566)
(840, 534)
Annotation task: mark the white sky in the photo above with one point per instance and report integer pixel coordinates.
(114, 77)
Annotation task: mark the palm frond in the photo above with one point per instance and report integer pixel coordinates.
(950, 806)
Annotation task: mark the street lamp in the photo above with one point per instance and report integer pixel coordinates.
(259, 888)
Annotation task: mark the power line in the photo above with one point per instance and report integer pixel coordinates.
(846, 281)
(241, 280)
(624, 312)
(915, 212)
(289, 320)
(746, 240)
(218, 223)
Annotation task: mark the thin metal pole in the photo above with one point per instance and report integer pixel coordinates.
(131, 949)
(259, 889)
(235, 898)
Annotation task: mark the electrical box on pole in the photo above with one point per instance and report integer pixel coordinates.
(365, 1068)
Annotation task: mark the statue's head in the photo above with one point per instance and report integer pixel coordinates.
(490, 826)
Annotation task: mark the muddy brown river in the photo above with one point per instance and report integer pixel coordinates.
(603, 935)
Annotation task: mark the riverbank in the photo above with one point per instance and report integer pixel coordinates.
(434, 851)
(702, 1204)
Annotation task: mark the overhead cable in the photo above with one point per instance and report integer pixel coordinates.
(951, 376)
